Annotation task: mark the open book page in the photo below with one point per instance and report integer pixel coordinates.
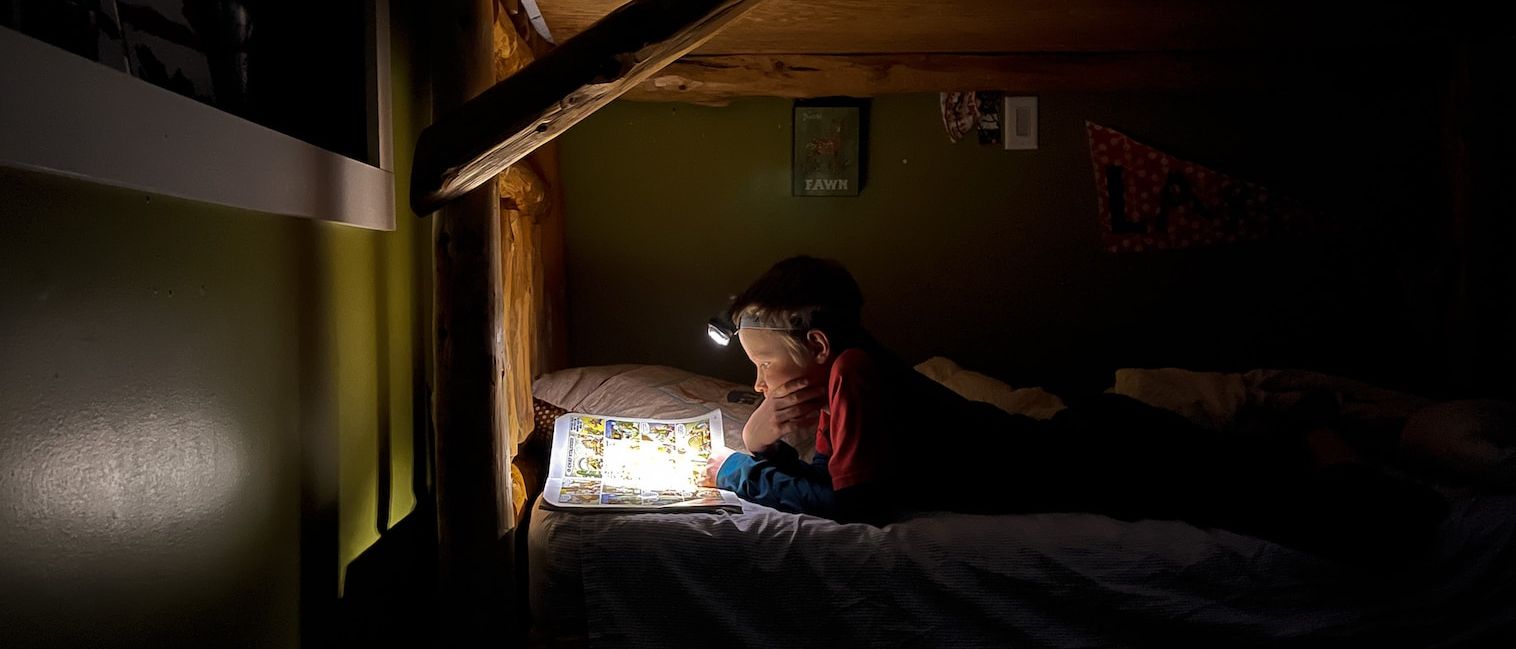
(623, 463)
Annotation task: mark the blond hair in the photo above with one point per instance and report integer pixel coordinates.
(780, 321)
(799, 294)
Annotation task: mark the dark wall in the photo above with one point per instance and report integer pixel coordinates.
(993, 257)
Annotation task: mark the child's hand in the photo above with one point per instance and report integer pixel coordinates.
(792, 408)
(713, 466)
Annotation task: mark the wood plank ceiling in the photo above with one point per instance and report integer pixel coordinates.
(919, 26)
(799, 48)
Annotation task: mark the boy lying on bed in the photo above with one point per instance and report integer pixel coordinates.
(891, 442)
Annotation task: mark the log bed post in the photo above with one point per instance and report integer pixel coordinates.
(477, 140)
(484, 129)
(473, 471)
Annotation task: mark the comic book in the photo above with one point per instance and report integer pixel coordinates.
(604, 462)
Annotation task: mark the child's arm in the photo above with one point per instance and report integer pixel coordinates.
(864, 479)
(779, 479)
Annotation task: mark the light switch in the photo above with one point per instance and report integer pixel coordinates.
(1021, 118)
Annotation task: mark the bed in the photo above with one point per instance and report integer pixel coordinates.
(766, 578)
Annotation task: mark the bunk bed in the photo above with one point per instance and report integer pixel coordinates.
(767, 578)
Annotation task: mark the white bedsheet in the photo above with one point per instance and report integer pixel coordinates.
(763, 578)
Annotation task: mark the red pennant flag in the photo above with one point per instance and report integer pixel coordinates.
(1150, 200)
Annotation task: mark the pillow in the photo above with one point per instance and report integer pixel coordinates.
(656, 392)
(567, 388)
(1032, 402)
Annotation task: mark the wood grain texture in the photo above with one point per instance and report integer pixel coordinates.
(474, 509)
(468, 146)
(888, 26)
(533, 189)
(551, 296)
(717, 79)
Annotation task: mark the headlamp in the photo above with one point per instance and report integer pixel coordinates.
(721, 330)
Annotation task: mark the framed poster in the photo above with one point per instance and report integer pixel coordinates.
(828, 149)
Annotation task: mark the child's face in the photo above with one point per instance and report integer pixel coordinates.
(772, 358)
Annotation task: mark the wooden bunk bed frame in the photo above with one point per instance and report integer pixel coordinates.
(502, 92)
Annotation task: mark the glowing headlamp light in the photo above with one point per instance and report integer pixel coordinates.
(721, 331)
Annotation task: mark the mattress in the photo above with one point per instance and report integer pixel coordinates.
(764, 578)
(767, 578)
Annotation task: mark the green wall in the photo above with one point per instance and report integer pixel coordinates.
(383, 313)
(193, 406)
(992, 257)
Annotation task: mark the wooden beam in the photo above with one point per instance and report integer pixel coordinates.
(717, 79)
(468, 146)
(967, 26)
(516, 45)
(473, 464)
(552, 294)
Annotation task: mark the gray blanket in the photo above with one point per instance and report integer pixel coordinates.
(763, 578)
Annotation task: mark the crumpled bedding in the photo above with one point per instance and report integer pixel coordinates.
(1215, 400)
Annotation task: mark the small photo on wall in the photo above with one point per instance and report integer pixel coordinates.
(828, 153)
(989, 116)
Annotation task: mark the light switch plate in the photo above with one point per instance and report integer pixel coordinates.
(1020, 127)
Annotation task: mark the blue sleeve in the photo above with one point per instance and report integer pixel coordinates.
(779, 479)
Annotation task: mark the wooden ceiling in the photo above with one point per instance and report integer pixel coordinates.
(815, 48)
(1040, 26)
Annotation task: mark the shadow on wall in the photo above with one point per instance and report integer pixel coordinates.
(390, 598)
